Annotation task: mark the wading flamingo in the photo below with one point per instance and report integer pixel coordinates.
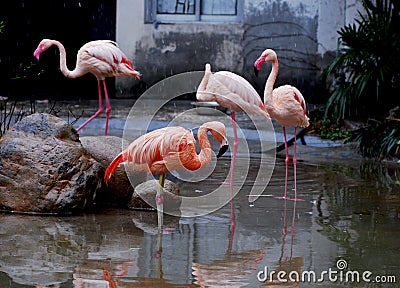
(167, 149)
(102, 58)
(285, 104)
(233, 92)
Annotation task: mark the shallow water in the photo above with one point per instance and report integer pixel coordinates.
(350, 213)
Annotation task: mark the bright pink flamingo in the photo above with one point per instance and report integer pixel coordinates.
(285, 104)
(233, 92)
(102, 58)
(167, 149)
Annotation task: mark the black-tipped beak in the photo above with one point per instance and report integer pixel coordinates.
(222, 150)
(256, 71)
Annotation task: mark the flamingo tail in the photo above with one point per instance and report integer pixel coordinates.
(112, 167)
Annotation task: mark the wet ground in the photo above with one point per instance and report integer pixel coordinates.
(347, 225)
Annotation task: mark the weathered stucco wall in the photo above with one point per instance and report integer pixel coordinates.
(303, 33)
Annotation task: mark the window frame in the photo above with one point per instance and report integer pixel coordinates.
(151, 15)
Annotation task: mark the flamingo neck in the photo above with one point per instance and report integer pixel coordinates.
(269, 85)
(202, 159)
(63, 61)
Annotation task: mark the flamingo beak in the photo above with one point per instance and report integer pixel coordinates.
(137, 74)
(259, 62)
(224, 147)
(37, 52)
(222, 150)
(256, 71)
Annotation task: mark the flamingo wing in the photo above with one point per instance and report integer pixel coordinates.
(289, 107)
(239, 92)
(232, 91)
(105, 58)
(161, 150)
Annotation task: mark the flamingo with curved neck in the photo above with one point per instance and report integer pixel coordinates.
(102, 58)
(285, 104)
(167, 149)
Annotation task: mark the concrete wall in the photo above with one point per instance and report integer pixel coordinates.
(303, 33)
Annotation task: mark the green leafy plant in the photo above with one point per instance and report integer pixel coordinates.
(332, 130)
(380, 139)
(366, 68)
(28, 70)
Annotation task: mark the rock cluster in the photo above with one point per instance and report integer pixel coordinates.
(46, 168)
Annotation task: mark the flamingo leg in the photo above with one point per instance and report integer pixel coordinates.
(283, 231)
(160, 202)
(287, 159)
(294, 217)
(99, 111)
(235, 146)
(233, 222)
(284, 217)
(108, 106)
(295, 168)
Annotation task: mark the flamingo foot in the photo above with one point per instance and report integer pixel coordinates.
(225, 183)
(168, 230)
(295, 199)
(282, 197)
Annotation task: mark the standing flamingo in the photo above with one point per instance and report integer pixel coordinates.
(285, 104)
(102, 58)
(168, 149)
(233, 92)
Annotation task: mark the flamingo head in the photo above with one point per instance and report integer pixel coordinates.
(43, 46)
(218, 131)
(268, 55)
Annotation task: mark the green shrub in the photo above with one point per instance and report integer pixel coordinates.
(367, 66)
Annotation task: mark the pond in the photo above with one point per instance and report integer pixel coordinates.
(348, 222)
(345, 231)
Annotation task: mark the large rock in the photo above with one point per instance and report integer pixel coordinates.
(45, 169)
(119, 189)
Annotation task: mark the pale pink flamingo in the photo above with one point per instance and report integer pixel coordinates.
(285, 104)
(167, 149)
(102, 58)
(233, 92)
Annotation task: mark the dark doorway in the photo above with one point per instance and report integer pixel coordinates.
(73, 23)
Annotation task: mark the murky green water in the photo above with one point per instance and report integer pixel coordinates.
(350, 213)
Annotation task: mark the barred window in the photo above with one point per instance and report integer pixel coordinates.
(172, 11)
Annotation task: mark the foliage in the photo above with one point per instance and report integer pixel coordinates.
(366, 68)
(28, 70)
(380, 139)
(1, 26)
(332, 130)
(327, 128)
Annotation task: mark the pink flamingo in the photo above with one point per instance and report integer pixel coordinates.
(168, 149)
(102, 58)
(233, 92)
(285, 104)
